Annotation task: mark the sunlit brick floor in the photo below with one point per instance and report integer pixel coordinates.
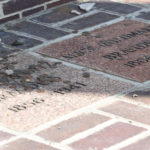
(77, 81)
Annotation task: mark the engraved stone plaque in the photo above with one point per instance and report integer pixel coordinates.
(122, 49)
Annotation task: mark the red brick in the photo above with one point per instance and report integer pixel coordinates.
(10, 18)
(107, 137)
(140, 145)
(129, 111)
(32, 11)
(72, 126)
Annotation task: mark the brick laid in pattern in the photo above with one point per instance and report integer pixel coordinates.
(117, 7)
(72, 126)
(24, 144)
(38, 30)
(107, 137)
(59, 14)
(143, 144)
(17, 41)
(90, 21)
(129, 111)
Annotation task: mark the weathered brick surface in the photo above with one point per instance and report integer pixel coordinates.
(6, 19)
(25, 7)
(107, 137)
(117, 7)
(59, 14)
(129, 111)
(72, 126)
(90, 21)
(24, 144)
(17, 41)
(38, 30)
(32, 11)
(139, 145)
(17, 5)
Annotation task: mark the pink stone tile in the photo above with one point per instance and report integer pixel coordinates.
(107, 137)
(129, 111)
(109, 49)
(72, 126)
(36, 98)
(24, 144)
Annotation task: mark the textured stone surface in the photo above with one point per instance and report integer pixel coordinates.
(129, 111)
(59, 14)
(24, 144)
(17, 41)
(107, 137)
(72, 126)
(38, 30)
(140, 145)
(117, 7)
(121, 49)
(90, 21)
(37, 91)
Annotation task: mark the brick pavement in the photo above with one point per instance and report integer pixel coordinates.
(76, 82)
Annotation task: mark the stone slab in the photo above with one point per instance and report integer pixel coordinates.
(34, 91)
(107, 137)
(90, 21)
(25, 144)
(58, 14)
(38, 30)
(117, 7)
(122, 49)
(17, 41)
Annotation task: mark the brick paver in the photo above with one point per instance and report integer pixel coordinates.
(106, 137)
(74, 90)
(38, 30)
(143, 144)
(17, 41)
(129, 111)
(98, 18)
(72, 126)
(25, 144)
(59, 14)
(117, 7)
